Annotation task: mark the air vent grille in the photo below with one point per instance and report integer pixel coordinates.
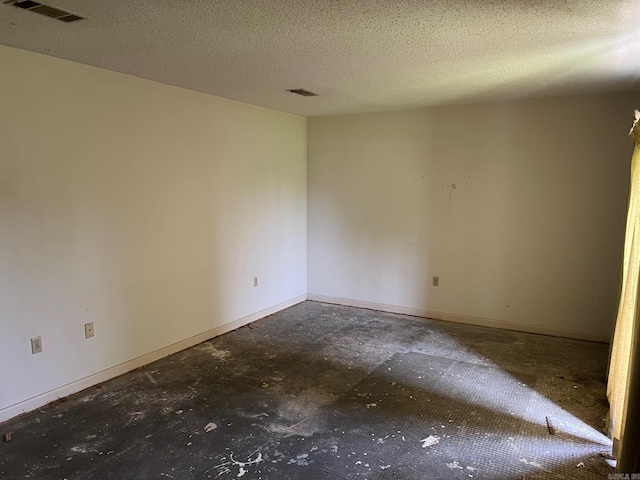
(303, 92)
(70, 18)
(48, 11)
(27, 5)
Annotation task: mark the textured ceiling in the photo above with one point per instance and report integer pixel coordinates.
(359, 55)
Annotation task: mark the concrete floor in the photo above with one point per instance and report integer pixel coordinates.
(329, 392)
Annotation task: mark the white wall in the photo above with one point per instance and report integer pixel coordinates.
(518, 206)
(144, 208)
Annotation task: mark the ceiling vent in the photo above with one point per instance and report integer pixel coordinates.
(48, 11)
(303, 92)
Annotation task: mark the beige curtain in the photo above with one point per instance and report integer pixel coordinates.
(622, 347)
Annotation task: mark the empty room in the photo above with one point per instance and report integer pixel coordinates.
(312, 239)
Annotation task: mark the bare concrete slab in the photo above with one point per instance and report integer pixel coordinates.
(331, 392)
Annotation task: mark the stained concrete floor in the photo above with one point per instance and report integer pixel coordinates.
(321, 391)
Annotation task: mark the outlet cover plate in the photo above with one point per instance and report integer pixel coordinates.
(36, 345)
(88, 330)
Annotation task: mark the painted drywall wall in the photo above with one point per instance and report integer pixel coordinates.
(144, 208)
(519, 208)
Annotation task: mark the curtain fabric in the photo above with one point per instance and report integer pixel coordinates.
(623, 340)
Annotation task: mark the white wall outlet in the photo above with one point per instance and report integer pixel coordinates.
(36, 345)
(255, 281)
(436, 281)
(88, 330)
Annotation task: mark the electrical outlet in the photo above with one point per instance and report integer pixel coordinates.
(88, 330)
(36, 345)
(436, 281)
(255, 281)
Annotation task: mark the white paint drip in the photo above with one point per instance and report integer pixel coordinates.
(135, 416)
(213, 351)
(223, 468)
(454, 465)
(253, 415)
(532, 463)
(300, 460)
(258, 459)
(430, 440)
(210, 426)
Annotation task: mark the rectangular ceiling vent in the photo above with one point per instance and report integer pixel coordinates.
(303, 92)
(48, 11)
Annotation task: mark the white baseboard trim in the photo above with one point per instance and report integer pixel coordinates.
(467, 319)
(40, 400)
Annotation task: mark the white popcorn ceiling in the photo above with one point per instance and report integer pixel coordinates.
(359, 55)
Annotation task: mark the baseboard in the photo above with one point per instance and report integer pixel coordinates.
(467, 319)
(38, 401)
